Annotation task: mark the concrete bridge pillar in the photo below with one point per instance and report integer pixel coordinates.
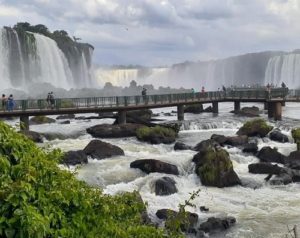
(24, 123)
(215, 107)
(180, 112)
(122, 117)
(275, 110)
(283, 103)
(266, 105)
(237, 106)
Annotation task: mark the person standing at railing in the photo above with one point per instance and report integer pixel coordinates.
(268, 91)
(52, 100)
(48, 100)
(10, 103)
(4, 102)
(144, 94)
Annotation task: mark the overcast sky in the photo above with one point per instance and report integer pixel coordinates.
(163, 32)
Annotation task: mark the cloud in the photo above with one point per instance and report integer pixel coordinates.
(154, 32)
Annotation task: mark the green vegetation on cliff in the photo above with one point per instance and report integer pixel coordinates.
(296, 137)
(156, 135)
(37, 199)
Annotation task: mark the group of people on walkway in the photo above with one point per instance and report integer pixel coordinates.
(8, 103)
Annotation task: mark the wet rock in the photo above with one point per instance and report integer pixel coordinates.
(257, 127)
(192, 218)
(113, 131)
(32, 135)
(37, 120)
(167, 114)
(268, 154)
(54, 136)
(293, 160)
(250, 148)
(65, 122)
(248, 112)
(205, 145)
(265, 168)
(208, 109)
(181, 146)
(64, 117)
(98, 149)
(281, 179)
(165, 186)
(213, 224)
(154, 166)
(75, 157)
(236, 140)
(214, 168)
(219, 139)
(195, 109)
(137, 116)
(277, 135)
(156, 135)
(204, 209)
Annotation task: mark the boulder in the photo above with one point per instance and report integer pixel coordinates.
(181, 146)
(37, 120)
(268, 154)
(236, 140)
(256, 127)
(64, 117)
(75, 157)
(281, 179)
(277, 135)
(265, 168)
(250, 148)
(205, 145)
(137, 116)
(248, 112)
(192, 218)
(98, 149)
(65, 122)
(214, 168)
(208, 109)
(156, 135)
(293, 160)
(195, 109)
(114, 131)
(165, 186)
(217, 224)
(32, 135)
(219, 139)
(154, 166)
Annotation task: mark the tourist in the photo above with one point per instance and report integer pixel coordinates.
(268, 91)
(48, 100)
(144, 94)
(4, 102)
(283, 85)
(52, 100)
(10, 103)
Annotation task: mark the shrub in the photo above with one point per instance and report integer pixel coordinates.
(296, 137)
(159, 133)
(256, 127)
(37, 199)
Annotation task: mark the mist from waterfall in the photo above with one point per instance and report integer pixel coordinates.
(284, 68)
(30, 58)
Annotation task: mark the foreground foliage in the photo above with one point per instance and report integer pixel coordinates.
(37, 199)
(296, 137)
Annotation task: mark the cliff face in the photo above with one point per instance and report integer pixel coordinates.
(32, 54)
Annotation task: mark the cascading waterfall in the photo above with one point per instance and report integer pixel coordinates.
(29, 58)
(284, 68)
(53, 65)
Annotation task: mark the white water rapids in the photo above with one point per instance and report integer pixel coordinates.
(263, 212)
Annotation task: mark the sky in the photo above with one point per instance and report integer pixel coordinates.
(165, 32)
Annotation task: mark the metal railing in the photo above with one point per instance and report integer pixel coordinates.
(162, 99)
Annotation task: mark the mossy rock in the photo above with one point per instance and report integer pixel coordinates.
(156, 135)
(256, 127)
(215, 169)
(296, 137)
(41, 120)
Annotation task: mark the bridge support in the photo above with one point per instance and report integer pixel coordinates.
(275, 110)
(180, 112)
(237, 106)
(24, 123)
(283, 103)
(266, 105)
(215, 107)
(122, 117)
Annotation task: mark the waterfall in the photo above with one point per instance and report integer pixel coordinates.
(29, 58)
(284, 68)
(4, 60)
(52, 63)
